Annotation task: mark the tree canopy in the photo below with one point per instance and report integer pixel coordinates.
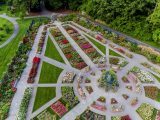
(138, 18)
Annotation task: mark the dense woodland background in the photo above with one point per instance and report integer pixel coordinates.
(138, 18)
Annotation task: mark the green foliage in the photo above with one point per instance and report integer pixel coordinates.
(137, 18)
(156, 35)
(68, 97)
(155, 16)
(43, 95)
(47, 75)
(74, 4)
(111, 52)
(113, 8)
(63, 4)
(52, 52)
(24, 104)
(6, 30)
(68, 17)
(22, 6)
(53, 4)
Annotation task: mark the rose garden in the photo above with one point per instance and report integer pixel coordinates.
(73, 69)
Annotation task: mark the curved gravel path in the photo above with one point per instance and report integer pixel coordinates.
(16, 29)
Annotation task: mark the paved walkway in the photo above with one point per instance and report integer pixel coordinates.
(16, 29)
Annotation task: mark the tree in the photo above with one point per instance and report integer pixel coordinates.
(53, 4)
(156, 35)
(154, 18)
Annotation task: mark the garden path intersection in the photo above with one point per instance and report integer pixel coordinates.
(94, 74)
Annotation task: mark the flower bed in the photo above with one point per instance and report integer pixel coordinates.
(117, 108)
(145, 111)
(68, 77)
(143, 76)
(147, 65)
(84, 44)
(132, 78)
(59, 108)
(126, 117)
(97, 36)
(71, 54)
(149, 52)
(89, 115)
(152, 92)
(24, 104)
(65, 41)
(118, 62)
(101, 99)
(125, 96)
(89, 89)
(158, 115)
(45, 115)
(41, 41)
(99, 107)
(33, 71)
(87, 80)
(69, 97)
(115, 118)
(125, 80)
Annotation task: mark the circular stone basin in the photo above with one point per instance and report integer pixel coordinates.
(109, 81)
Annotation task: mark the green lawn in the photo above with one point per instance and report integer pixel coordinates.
(111, 52)
(52, 52)
(49, 73)
(8, 52)
(43, 95)
(102, 48)
(6, 30)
